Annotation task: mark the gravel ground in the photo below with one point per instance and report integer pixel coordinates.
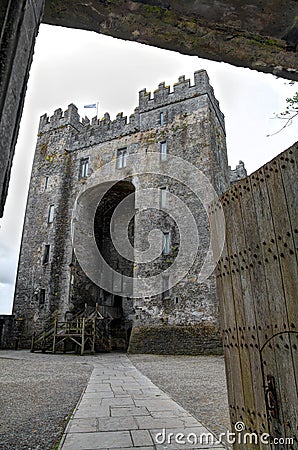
(38, 392)
(197, 383)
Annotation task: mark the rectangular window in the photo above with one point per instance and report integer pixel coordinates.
(117, 282)
(163, 151)
(51, 214)
(166, 243)
(46, 254)
(165, 286)
(121, 158)
(46, 183)
(84, 164)
(124, 158)
(162, 118)
(163, 197)
(42, 297)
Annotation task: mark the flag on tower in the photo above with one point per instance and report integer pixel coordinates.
(93, 105)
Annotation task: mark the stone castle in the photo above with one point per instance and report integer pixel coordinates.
(56, 274)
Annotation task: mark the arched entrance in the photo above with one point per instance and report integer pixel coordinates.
(116, 306)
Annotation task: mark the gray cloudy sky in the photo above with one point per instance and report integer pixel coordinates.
(75, 66)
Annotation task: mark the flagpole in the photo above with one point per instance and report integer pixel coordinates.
(97, 109)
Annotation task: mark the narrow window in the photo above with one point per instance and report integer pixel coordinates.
(124, 158)
(163, 197)
(42, 296)
(46, 183)
(162, 118)
(46, 254)
(121, 158)
(163, 151)
(165, 286)
(117, 282)
(166, 243)
(51, 214)
(119, 162)
(112, 225)
(84, 164)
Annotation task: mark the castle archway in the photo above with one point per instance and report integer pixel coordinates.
(115, 305)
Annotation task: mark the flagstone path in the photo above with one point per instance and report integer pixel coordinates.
(122, 409)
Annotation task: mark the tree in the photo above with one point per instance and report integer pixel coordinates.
(290, 112)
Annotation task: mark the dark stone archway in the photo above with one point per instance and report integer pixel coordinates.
(117, 306)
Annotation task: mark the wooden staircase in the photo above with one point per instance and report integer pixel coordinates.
(88, 331)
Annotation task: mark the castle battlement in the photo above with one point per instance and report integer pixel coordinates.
(182, 90)
(101, 130)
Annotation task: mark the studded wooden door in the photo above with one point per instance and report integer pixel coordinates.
(257, 279)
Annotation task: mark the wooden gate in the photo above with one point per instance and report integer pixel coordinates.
(257, 281)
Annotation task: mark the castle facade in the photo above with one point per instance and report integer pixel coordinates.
(93, 188)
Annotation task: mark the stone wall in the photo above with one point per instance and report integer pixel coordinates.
(6, 331)
(176, 340)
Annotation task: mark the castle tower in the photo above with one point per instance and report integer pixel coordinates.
(82, 173)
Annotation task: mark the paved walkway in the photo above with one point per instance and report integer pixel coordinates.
(121, 408)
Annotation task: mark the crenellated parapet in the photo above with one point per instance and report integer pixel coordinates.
(239, 173)
(60, 119)
(85, 132)
(182, 90)
(105, 129)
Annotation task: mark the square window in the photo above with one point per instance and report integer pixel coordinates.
(51, 214)
(84, 165)
(121, 158)
(163, 197)
(163, 151)
(46, 254)
(166, 243)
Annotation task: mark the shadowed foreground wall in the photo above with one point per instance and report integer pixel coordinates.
(257, 282)
(19, 21)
